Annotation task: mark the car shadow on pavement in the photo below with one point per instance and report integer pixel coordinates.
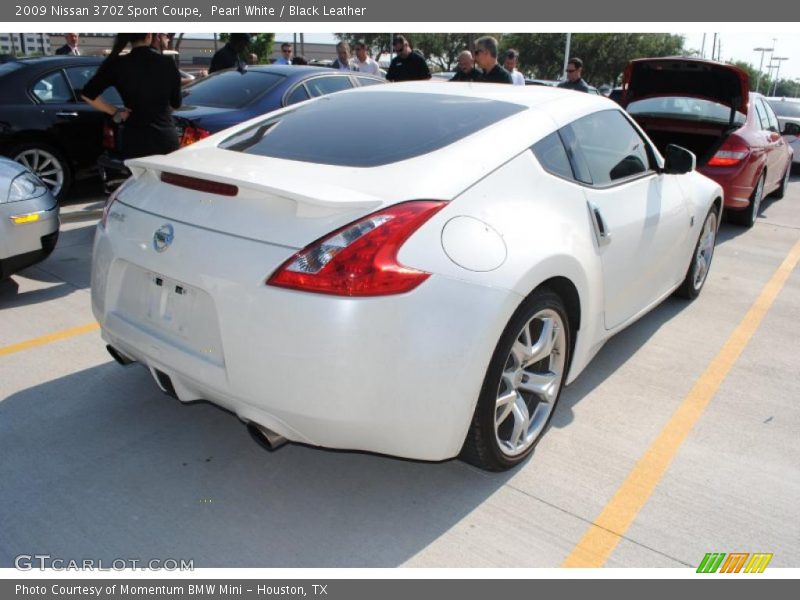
(615, 353)
(99, 464)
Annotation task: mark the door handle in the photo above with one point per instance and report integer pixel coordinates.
(67, 115)
(601, 230)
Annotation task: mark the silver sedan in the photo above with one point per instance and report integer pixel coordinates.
(28, 219)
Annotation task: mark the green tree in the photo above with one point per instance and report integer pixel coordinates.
(604, 54)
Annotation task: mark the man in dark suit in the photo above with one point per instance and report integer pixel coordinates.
(230, 55)
(71, 47)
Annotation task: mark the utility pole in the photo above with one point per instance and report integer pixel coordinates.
(777, 71)
(760, 64)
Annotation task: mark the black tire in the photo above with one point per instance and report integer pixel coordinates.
(482, 446)
(747, 217)
(691, 287)
(781, 191)
(51, 166)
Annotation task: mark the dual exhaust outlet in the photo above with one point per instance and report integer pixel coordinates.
(264, 436)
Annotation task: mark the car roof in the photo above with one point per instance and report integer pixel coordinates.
(55, 60)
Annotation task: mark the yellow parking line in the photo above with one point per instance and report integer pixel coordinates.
(602, 537)
(47, 339)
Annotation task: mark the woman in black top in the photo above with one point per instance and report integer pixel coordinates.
(150, 86)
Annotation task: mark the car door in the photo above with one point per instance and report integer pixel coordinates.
(77, 126)
(640, 216)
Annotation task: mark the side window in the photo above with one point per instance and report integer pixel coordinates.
(365, 81)
(771, 118)
(298, 95)
(319, 86)
(79, 76)
(52, 89)
(763, 122)
(612, 148)
(552, 156)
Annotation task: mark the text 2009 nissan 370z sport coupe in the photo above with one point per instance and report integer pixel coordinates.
(420, 281)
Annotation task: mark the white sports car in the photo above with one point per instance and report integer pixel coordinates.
(421, 285)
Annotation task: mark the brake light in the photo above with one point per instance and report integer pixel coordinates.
(200, 185)
(729, 154)
(360, 259)
(109, 139)
(193, 134)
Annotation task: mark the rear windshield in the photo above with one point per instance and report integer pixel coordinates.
(783, 108)
(390, 127)
(684, 109)
(230, 89)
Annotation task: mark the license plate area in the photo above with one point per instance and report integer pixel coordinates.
(170, 310)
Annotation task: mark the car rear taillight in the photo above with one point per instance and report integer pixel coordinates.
(193, 134)
(360, 259)
(109, 139)
(731, 153)
(200, 185)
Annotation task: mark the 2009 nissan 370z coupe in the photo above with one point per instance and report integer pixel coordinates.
(415, 269)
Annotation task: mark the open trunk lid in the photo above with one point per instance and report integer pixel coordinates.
(689, 77)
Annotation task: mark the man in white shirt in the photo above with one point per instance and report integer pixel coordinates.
(510, 60)
(363, 63)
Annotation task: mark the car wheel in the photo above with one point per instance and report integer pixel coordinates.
(781, 191)
(522, 384)
(748, 216)
(697, 272)
(48, 163)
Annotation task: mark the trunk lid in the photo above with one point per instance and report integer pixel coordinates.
(688, 77)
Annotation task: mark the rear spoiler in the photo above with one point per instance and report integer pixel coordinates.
(302, 191)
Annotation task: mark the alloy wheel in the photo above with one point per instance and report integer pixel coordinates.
(45, 166)
(530, 382)
(705, 250)
(758, 195)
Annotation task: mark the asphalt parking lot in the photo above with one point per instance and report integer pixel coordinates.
(96, 463)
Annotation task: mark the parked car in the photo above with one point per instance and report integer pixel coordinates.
(788, 112)
(28, 219)
(230, 97)
(318, 276)
(707, 107)
(44, 124)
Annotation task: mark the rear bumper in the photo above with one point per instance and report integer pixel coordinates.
(737, 182)
(397, 375)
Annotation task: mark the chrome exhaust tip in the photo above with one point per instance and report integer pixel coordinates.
(118, 356)
(266, 437)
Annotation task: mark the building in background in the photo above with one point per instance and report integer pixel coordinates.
(25, 44)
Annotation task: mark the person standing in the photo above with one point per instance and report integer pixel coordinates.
(150, 86)
(342, 62)
(363, 63)
(575, 76)
(71, 46)
(486, 57)
(466, 70)
(230, 55)
(510, 61)
(407, 65)
(286, 55)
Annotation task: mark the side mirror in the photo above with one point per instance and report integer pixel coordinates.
(791, 129)
(678, 160)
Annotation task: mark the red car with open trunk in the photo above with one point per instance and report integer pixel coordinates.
(707, 107)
